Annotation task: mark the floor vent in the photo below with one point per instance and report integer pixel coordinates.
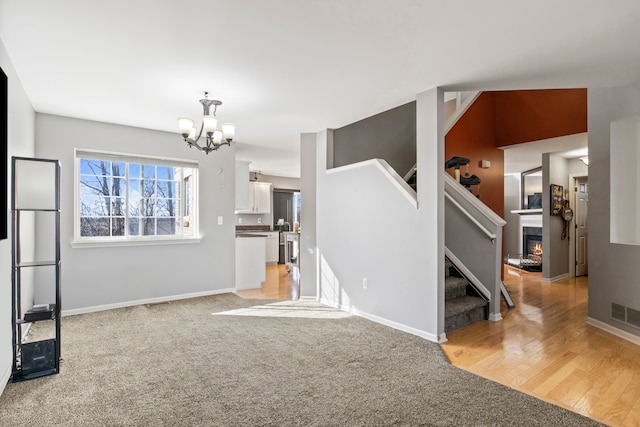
(624, 314)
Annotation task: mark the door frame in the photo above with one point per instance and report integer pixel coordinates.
(572, 224)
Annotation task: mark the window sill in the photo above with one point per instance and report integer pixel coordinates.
(133, 242)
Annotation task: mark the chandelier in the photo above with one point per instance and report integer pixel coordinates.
(214, 137)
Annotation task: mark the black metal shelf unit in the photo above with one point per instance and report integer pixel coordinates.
(35, 203)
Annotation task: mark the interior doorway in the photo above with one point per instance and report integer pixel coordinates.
(579, 226)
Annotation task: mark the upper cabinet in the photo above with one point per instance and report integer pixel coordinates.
(251, 197)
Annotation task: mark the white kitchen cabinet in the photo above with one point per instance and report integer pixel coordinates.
(273, 247)
(258, 199)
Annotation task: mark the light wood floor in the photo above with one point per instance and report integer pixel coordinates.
(544, 348)
(280, 285)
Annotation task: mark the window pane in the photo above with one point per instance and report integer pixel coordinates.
(134, 226)
(94, 167)
(148, 226)
(165, 172)
(134, 188)
(134, 170)
(148, 207)
(92, 206)
(149, 187)
(148, 171)
(167, 207)
(167, 189)
(117, 227)
(166, 226)
(94, 227)
(117, 206)
(135, 207)
(90, 184)
(117, 168)
(117, 186)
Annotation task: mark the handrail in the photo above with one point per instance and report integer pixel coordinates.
(468, 274)
(459, 190)
(489, 234)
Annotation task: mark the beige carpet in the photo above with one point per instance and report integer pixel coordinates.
(226, 361)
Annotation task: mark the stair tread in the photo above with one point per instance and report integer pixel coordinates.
(463, 304)
(453, 281)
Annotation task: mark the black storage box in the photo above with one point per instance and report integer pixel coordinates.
(38, 357)
(35, 315)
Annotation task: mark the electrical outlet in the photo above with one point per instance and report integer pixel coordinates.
(239, 220)
(365, 283)
(259, 220)
(220, 220)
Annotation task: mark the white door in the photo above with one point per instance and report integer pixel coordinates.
(582, 226)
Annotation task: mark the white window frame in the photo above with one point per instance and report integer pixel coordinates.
(105, 241)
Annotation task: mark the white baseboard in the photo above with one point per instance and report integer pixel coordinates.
(613, 330)
(156, 300)
(395, 325)
(309, 299)
(554, 279)
(5, 379)
(495, 317)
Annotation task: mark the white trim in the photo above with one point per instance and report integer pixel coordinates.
(156, 300)
(395, 325)
(613, 330)
(135, 157)
(89, 243)
(4, 380)
(388, 172)
(495, 317)
(554, 279)
(308, 299)
(468, 274)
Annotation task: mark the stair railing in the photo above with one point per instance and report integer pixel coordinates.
(473, 233)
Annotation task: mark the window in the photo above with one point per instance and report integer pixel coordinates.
(128, 197)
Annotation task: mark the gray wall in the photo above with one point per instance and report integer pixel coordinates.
(555, 251)
(613, 268)
(390, 135)
(398, 248)
(94, 277)
(21, 142)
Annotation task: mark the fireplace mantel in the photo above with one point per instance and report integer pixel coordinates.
(527, 211)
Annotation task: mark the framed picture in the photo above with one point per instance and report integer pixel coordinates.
(556, 199)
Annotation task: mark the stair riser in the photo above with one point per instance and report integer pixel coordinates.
(464, 319)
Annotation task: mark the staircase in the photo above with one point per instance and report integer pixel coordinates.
(462, 306)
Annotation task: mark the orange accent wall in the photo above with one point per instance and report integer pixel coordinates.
(532, 115)
(474, 137)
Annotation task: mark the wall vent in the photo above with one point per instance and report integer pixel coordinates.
(627, 315)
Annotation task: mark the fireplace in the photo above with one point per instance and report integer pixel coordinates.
(532, 243)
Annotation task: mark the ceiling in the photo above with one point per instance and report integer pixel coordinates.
(283, 67)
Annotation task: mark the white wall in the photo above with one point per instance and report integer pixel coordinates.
(512, 239)
(613, 268)
(308, 216)
(112, 276)
(21, 142)
(366, 228)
